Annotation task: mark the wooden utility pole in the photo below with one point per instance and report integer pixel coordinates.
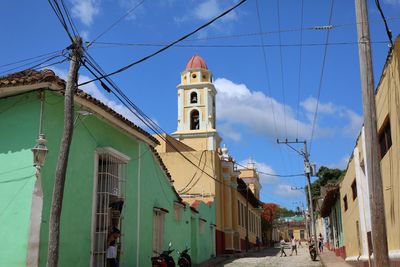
(58, 190)
(378, 221)
(307, 172)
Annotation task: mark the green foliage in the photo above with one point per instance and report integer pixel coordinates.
(325, 176)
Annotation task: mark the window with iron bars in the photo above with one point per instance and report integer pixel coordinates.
(109, 201)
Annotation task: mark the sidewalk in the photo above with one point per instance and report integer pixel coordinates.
(329, 259)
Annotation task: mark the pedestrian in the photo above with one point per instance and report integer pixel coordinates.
(321, 243)
(258, 243)
(294, 246)
(112, 254)
(282, 243)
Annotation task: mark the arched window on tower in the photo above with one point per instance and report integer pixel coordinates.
(193, 98)
(194, 120)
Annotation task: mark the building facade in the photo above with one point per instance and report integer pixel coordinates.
(201, 169)
(112, 169)
(355, 189)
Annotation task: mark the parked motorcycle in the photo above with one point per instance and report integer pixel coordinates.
(313, 251)
(184, 258)
(164, 259)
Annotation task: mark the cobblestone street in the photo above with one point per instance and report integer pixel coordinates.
(270, 257)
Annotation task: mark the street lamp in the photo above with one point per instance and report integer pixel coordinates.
(39, 151)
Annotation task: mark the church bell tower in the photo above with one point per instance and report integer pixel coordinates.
(196, 107)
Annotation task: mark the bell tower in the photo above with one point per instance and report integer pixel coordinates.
(196, 107)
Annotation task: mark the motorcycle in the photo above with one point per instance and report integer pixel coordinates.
(313, 251)
(164, 259)
(184, 258)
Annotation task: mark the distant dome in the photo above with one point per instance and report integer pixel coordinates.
(196, 62)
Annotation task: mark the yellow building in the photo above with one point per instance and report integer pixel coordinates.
(292, 226)
(201, 169)
(356, 213)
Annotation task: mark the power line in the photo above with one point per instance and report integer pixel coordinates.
(41, 62)
(28, 59)
(273, 174)
(146, 120)
(239, 35)
(56, 8)
(120, 44)
(281, 65)
(266, 72)
(321, 78)
(299, 77)
(167, 46)
(388, 31)
(115, 23)
(71, 22)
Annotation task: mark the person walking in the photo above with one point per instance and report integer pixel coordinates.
(321, 243)
(282, 243)
(294, 246)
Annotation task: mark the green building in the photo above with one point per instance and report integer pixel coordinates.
(115, 181)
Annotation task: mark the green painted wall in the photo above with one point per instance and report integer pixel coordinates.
(19, 130)
(20, 120)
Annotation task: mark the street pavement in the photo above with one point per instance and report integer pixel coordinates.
(270, 257)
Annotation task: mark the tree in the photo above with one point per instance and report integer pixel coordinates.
(325, 175)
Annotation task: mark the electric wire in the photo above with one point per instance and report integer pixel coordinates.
(321, 78)
(272, 174)
(70, 21)
(281, 67)
(266, 70)
(145, 120)
(61, 18)
(167, 46)
(299, 76)
(28, 59)
(239, 35)
(30, 66)
(115, 23)
(120, 44)
(388, 31)
(268, 82)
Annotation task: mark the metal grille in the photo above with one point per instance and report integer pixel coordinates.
(110, 197)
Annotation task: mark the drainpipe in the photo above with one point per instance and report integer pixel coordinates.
(138, 208)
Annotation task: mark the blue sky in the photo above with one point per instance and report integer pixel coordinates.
(252, 110)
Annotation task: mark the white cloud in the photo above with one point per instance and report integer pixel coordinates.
(255, 112)
(228, 132)
(210, 9)
(84, 35)
(94, 91)
(285, 190)
(85, 10)
(238, 105)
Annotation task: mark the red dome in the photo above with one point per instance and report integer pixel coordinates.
(196, 62)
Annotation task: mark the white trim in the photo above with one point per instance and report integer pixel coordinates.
(115, 153)
(94, 205)
(394, 254)
(14, 90)
(32, 257)
(352, 258)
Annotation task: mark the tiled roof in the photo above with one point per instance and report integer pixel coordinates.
(31, 77)
(28, 77)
